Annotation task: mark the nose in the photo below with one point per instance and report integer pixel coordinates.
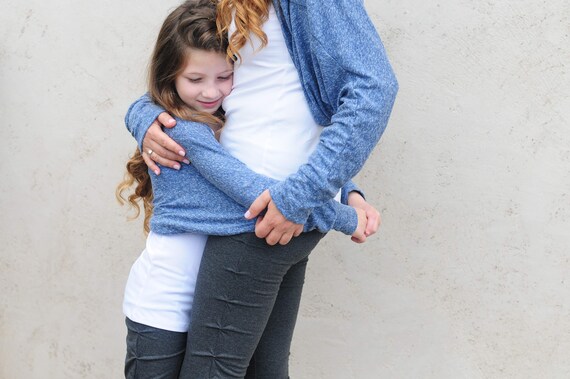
(211, 92)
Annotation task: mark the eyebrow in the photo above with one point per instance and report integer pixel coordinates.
(201, 73)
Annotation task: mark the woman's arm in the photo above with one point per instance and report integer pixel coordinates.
(144, 120)
(140, 116)
(352, 88)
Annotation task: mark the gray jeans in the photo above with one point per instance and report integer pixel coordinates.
(245, 307)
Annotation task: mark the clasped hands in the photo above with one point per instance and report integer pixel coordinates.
(273, 226)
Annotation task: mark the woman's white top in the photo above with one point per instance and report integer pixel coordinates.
(270, 128)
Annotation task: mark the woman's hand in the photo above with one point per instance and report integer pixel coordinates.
(372, 215)
(160, 148)
(272, 226)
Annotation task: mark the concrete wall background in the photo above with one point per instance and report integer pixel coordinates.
(468, 277)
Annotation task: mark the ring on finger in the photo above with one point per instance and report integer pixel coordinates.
(149, 152)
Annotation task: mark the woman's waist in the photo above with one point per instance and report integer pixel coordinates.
(273, 150)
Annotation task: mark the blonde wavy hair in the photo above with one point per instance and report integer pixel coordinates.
(249, 17)
(192, 25)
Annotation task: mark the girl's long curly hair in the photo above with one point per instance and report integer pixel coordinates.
(192, 25)
(249, 17)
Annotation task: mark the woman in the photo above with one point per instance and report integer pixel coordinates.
(189, 76)
(342, 75)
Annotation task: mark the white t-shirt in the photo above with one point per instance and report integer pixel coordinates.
(160, 288)
(269, 126)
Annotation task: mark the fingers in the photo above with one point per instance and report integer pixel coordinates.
(258, 206)
(278, 236)
(280, 231)
(372, 221)
(359, 235)
(298, 231)
(150, 163)
(358, 240)
(156, 139)
(158, 154)
(166, 120)
(272, 238)
(372, 215)
(272, 226)
(168, 144)
(275, 237)
(282, 234)
(263, 229)
(286, 238)
(273, 221)
(163, 144)
(292, 232)
(161, 148)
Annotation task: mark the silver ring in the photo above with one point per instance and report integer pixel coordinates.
(149, 152)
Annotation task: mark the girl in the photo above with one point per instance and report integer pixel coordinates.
(190, 76)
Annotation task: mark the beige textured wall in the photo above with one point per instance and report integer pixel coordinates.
(469, 277)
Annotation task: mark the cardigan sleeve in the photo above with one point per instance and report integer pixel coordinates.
(140, 116)
(243, 185)
(355, 84)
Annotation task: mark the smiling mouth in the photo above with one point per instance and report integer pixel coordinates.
(209, 103)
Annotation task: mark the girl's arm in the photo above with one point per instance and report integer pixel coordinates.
(243, 185)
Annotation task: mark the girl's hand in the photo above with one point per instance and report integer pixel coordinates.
(372, 215)
(160, 148)
(359, 235)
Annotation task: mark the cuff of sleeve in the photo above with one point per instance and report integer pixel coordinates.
(346, 221)
(286, 205)
(347, 189)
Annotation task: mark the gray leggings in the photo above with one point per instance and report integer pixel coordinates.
(152, 352)
(245, 307)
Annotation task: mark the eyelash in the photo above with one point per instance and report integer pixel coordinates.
(219, 78)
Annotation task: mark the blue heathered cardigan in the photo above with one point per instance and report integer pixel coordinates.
(350, 88)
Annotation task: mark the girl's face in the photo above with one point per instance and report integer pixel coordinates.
(205, 81)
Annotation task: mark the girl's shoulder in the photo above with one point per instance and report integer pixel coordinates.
(191, 133)
(186, 126)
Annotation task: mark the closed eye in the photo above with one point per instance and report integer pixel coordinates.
(227, 77)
